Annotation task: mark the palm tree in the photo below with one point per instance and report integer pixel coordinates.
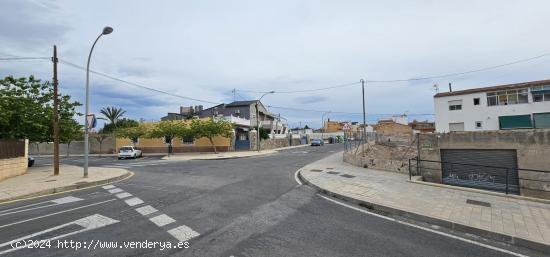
(113, 114)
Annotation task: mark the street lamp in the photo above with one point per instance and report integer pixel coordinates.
(323, 124)
(106, 31)
(257, 118)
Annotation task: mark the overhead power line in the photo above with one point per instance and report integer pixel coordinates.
(405, 80)
(23, 58)
(135, 84)
(350, 113)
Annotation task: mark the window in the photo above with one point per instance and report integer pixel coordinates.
(479, 124)
(456, 126)
(188, 141)
(507, 97)
(541, 93)
(515, 121)
(455, 105)
(476, 101)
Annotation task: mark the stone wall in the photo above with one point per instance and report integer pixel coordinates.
(376, 163)
(12, 167)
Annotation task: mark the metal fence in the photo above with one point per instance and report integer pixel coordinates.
(493, 178)
(12, 149)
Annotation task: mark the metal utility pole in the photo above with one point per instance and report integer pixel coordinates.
(106, 31)
(258, 117)
(55, 115)
(364, 119)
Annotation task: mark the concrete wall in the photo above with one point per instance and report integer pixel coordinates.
(394, 165)
(532, 146)
(12, 167)
(74, 148)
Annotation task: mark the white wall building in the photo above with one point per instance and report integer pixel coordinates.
(513, 106)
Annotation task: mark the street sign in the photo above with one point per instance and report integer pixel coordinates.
(91, 121)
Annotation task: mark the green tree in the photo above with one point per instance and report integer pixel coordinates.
(101, 136)
(264, 133)
(69, 131)
(133, 133)
(167, 129)
(119, 124)
(26, 109)
(112, 114)
(212, 128)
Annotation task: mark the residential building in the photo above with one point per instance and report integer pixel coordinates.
(185, 112)
(332, 126)
(511, 106)
(392, 129)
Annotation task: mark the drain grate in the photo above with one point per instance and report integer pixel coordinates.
(316, 170)
(333, 172)
(347, 176)
(480, 203)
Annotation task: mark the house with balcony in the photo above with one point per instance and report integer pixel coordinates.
(512, 106)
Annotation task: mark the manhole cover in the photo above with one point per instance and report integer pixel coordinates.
(480, 203)
(347, 176)
(315, 170)
(333, 172)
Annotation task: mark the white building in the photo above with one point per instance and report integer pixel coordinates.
(513, 106)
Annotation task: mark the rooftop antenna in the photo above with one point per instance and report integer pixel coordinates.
(436, 88)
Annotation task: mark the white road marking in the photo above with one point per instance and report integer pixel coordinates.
(123, 195)
(55, 213)
(146, 210)
(133, 201)
(68, 199)
(108, 187)
(115, 190)
(162, 220)
(425, 229)
(296, 177)
(87, 223)
(183, 233)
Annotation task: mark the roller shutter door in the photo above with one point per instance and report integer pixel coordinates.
(465, 167)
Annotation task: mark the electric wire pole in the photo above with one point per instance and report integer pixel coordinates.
(55, 115)
(364, 119)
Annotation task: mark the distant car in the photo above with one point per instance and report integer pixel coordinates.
(129, 152)
(30, 161)
(317, 142)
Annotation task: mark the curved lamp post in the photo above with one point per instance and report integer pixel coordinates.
(106, 31)
(323, 124)
(258, 117)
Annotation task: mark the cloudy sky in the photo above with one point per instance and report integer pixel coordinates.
(204, 49)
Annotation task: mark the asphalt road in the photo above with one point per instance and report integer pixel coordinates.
(236, 207)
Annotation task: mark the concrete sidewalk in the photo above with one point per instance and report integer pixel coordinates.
(226, 155)
(41, 181)
(516, 221)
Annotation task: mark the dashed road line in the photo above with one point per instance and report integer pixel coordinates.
(146, 210)
(123, 195)
(59, 201)
(108, 187)
(133, 201)
(162, 220)
(182, 233)
(115, 190)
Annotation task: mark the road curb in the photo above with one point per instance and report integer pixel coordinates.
(431, 220)
(72, 187)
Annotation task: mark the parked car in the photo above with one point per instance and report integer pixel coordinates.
(129, 152)
(30, 161)
(317, 142)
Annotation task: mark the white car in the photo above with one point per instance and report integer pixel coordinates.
(129, 152)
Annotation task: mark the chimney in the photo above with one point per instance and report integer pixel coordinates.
(450, 88)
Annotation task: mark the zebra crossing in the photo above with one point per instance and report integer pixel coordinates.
(107, 161)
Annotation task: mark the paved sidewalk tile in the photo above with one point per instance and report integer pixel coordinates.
(515, 217)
